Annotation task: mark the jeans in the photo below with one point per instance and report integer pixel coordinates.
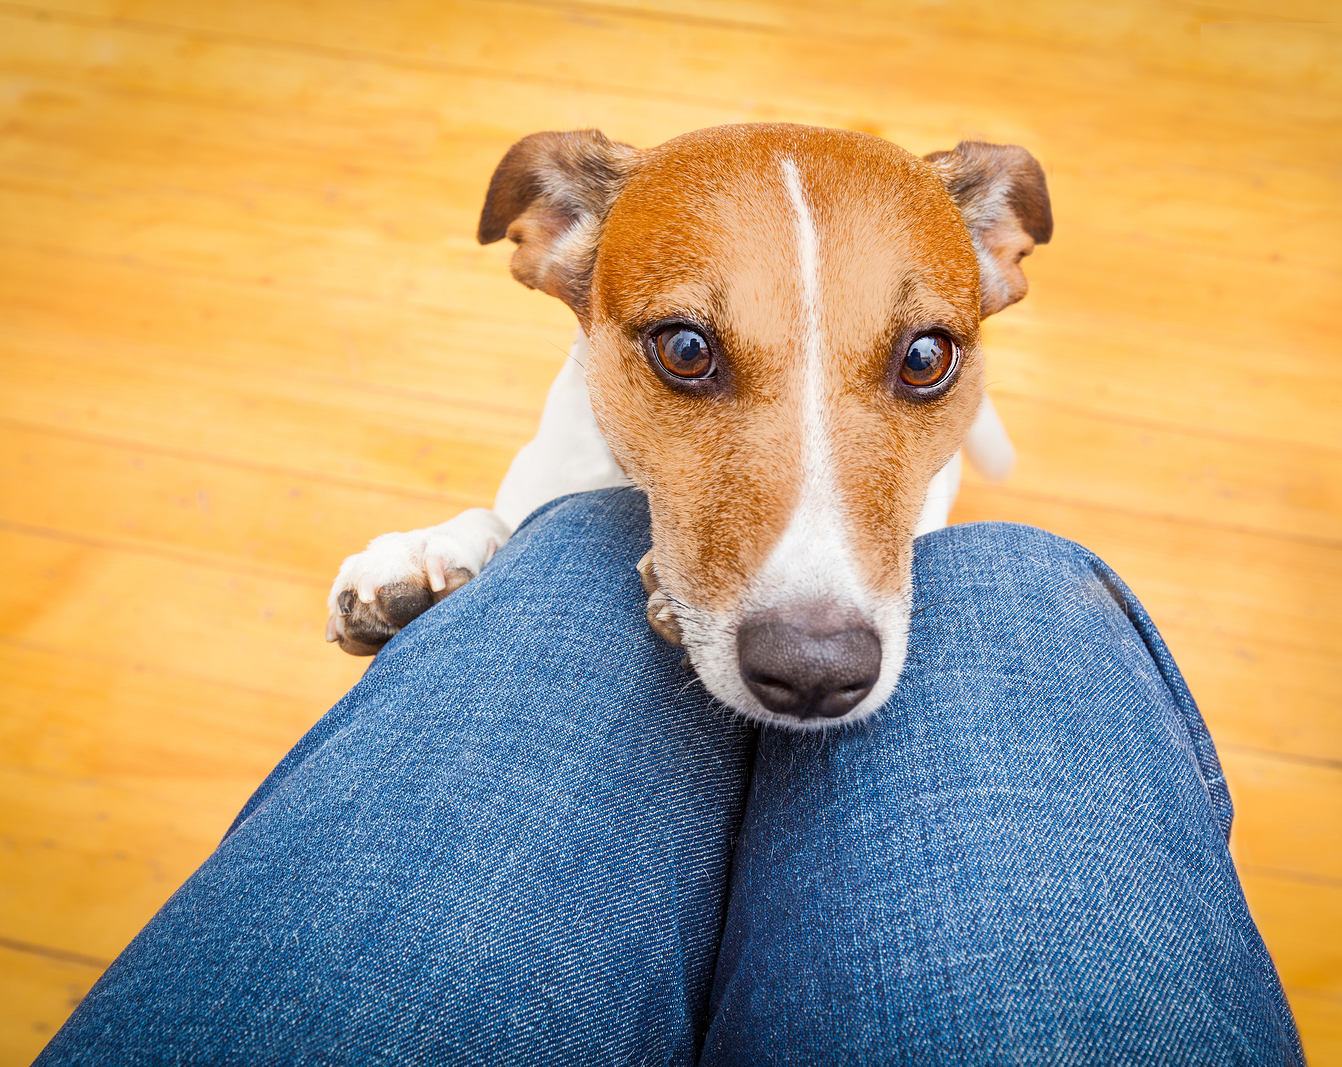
(529, 836)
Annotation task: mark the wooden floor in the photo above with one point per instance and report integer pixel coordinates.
(244, 326)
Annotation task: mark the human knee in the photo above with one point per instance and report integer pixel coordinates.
(1025, 576)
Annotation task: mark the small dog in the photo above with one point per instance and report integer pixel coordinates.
(779, 344)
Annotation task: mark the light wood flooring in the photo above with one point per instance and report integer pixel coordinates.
(244, 326)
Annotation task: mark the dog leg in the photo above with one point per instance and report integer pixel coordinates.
(661, 612)
(399, 576)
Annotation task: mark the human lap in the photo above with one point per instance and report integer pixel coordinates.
(528, 836)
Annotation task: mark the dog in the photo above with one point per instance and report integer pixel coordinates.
(779, 343)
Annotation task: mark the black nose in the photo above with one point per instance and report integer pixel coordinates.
(796, 671)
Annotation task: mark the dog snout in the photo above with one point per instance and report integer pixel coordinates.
(798, 669)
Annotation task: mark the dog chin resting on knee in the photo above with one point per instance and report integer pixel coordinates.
(779, 344)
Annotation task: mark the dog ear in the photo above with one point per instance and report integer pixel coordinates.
(549, 196)
(1003, 198)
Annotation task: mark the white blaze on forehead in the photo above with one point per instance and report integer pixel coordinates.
(814, 425)
(812, 562)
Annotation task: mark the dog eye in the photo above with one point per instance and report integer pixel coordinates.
(928, 361)
(684, 352)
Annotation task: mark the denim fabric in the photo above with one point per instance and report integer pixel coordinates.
(527, 836)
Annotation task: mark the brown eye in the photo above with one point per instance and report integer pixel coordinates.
(929, 359)
(684, 352)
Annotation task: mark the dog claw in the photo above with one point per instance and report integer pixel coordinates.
(346, 604)
(662, 618)
(332, 631)
(455, 578)
(661, 614)
(443, 580)
(646, 573)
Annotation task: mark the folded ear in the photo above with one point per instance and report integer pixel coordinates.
(1003, 198)
(549, 196)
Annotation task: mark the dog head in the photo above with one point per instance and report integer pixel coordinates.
(783, 328)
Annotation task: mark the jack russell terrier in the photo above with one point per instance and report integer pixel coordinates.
(779, 344)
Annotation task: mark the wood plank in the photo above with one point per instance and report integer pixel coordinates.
(1288, 814)
(1162, 470)
(1157, 31)
(1079, 357)
(419, 29)
(504, 348)
(82, 628)
(1235, 311)
(118, 779)
(223, 514)
(508, 358)
(1238, 585)
(53, 481)
(354, 84)
(284, 197)
(182, 505)
(485, 352)
(1320, 1021)
(90, 862)
(211, 70)
(1260, 694)
(36, 994)
(262, 631)
(82, 718)
(394, 438)
(1111, 156)
(281, 190)
(1301, 922)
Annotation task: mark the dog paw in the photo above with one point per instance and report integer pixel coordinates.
(399, 576)
(661, 612)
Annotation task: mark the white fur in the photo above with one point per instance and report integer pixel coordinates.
(990, 451)
(568, 453)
